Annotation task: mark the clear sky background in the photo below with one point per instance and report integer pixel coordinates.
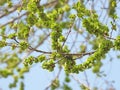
(38, 79)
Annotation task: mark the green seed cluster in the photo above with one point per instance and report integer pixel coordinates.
(3, 43)
(93, 26)
(117, 43)
(23, 45)
(66, 87)
(22, 71)
(32, 6)
(55, 35)
(41, 58)
(16, 77)
(68, 64)
(89, 20)
(12, 69)
(81, 10)
(31, 19)
(14, 84)
(5, 73)
(53, 19)
(30, 60)
(83, 87)
(49, 65)
(55, 84)
(21, 86)
(23, 31)
(95, 59)
(12, 62)
(11, 36)
(112, 6)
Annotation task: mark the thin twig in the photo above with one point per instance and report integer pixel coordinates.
(10, 10)
(52, 3)
(18, 5)
(57, 76)
(41, 42)
(11, 21)
(67, 54)
(68, 34)
(76, 36)
(66, 37)
(86, 77)
(15, 7)
(79, 82)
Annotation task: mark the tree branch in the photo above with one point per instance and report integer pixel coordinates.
(12, 20)
(66, 54)
(57, 76)
(10, 10)
(79, 82)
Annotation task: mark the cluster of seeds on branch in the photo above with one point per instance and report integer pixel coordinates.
(93, 26)
(49, 20)
(30, 60)
(60, 52)
(81, 10)
(55, 84)
(20, 75)
(23, 45)
(5, 73)
(95, 59)
(112, 6)
(3, 43)
(117, 43)
(23, 31)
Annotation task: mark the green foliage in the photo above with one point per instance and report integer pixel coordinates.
(30, 60)
(117, 43)
(67, 79)
(93, 26)
(2, 2)
(21, 86)
(69, 64)
(15, 82)
(72, 16)
(12, 36)
(59, 22)
(66, 87)
(6, 72)
(22, 71)
(12, 62)
(81, 10)
(114, 27)
(41, 58)
(112, 6)
(105, 46)
(24, 45)
(3, 43)
(31, 19)
(49, 65)
(55, 84)
(83, 87)
(23, 31)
